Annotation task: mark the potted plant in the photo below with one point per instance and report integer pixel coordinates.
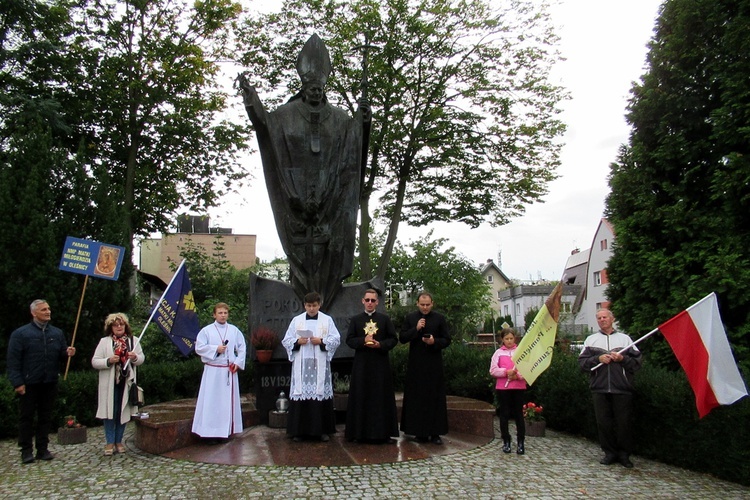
(340, 393)
(264, 341)
(532, 415)
(71, 432)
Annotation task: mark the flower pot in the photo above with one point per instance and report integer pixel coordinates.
(535, 428)
(71, 435)
(264, 356)
(340, 401)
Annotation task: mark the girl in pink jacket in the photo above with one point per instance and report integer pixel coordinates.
(510, 389)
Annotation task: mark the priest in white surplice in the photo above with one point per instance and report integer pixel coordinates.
(222, 349)
(311, 341)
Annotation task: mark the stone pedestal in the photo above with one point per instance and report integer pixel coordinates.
(277, 419)
(270, 379)
(273, 304)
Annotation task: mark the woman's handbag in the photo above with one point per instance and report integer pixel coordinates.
(136, 395)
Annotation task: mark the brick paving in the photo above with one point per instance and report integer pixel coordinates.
(558, 466)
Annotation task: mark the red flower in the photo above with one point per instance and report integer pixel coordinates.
(71, 423)
(532, 412)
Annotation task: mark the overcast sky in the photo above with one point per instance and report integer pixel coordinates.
(604, 43)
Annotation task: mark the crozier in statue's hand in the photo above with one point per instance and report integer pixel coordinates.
(364, 107)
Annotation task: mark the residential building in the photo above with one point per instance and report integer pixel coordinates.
(594, 295)
(497, 280)
(156, 254)
(575, 274)
(519, 300)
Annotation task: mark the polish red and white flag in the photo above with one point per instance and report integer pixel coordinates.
(700, 343)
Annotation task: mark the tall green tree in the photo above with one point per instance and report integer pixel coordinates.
(680, 200)
(46, 191)
(149, 101)
(110, 122)
(457, 286)
(464, 113)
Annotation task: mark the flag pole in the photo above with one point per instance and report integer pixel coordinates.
(631, 345)
(75, 329)
(153, 311)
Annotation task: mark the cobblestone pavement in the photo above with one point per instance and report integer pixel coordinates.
(555, 466)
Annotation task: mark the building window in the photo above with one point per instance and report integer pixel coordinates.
(603, 244)
(518, 310)
(489, 278)
(506, 311)
(499, 293)
(565, 307)
(597, 278)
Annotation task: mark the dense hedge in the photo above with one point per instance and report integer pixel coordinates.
(667, 427)
(78, 393)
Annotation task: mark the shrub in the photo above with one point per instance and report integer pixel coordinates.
(170, 381)
(666, 424)
(467, 371)
(668, 428)
(564, 391)
(78, 395)
(9, 415)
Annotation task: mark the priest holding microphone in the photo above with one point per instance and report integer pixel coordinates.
(424, 413)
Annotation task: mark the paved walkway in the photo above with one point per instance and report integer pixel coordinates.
(555, 466)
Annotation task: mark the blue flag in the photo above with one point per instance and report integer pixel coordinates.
(175, 313)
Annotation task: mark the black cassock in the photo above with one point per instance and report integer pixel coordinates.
(424, 412)
(371, 411)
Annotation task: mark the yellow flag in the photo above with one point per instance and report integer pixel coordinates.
(534, 352)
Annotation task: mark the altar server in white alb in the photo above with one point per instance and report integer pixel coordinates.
(311, 341)
(222, 349)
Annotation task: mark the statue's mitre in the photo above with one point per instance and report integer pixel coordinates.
(313, 62)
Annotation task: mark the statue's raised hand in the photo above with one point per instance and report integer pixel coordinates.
(243, 83)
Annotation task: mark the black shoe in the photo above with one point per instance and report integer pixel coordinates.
(27, 457)
(625, 461)
(506, 446)
(324, 438)
(297, 439)
(608, 460)
(44, 455)
(421, 439)
(436, 440)
(520, 450)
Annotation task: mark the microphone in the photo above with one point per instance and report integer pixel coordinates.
(226, 342)
(424, 335)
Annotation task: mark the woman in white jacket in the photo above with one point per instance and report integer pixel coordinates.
(113, 353)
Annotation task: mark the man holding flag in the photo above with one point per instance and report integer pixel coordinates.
(612, 386)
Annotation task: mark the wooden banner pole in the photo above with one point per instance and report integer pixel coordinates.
(75, 329)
